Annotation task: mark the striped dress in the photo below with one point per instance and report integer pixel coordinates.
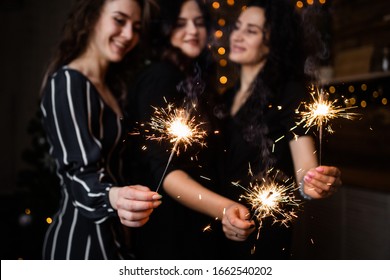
(84, 134)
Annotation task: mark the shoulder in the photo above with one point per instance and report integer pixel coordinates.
(68, 76)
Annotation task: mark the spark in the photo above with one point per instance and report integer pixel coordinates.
(321, 111)
(270, 199)
(177, 126)
(207, 228)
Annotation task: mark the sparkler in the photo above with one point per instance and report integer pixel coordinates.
(271, 199)
(321, 111)
(177, 126)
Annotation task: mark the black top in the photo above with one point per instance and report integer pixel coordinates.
(84, 134)
(173, 231)
(239, 154)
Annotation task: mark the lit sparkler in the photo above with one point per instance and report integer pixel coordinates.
(176, 126)
(271, 199)
(321, 111)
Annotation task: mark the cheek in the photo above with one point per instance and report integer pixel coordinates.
(175, 39)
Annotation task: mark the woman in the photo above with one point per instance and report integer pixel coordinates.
(176, 231)
(82, 116)
(257, 116)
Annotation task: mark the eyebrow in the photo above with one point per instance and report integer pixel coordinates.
(124, 15)
(182, 18)
(252, 25)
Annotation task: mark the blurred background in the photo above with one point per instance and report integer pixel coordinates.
(353, 224)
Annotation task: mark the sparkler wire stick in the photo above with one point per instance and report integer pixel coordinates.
(169, 161)
(320, 112)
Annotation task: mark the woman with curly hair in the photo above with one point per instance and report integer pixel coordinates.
(82, 115)
(257, 115)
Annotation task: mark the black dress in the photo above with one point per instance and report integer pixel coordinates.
(85, 136)
(173, 231)
(239, 153)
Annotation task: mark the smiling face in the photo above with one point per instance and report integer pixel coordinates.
(247, 45)
(190, 34)
(117, 30)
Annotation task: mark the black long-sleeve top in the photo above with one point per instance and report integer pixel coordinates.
(84, 133)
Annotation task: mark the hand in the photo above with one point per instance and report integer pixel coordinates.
(134, 204)
(322, 181)
(236, 224)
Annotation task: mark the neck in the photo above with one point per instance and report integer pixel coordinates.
(91, 66)
(248, 75)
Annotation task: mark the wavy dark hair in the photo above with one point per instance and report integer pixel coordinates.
(163, 28)
(75, 35)
(285, 62)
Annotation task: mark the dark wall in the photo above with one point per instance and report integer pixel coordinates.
(29, 30)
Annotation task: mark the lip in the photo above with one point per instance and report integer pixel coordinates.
(193, 42)
(237, 49)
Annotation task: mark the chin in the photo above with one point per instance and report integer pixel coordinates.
(192, 53)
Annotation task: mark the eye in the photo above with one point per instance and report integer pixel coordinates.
(199, 22)
(180, 23)
(251, 31)
(137, 28)
(120, 21)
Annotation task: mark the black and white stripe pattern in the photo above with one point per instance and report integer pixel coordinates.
(85, 135)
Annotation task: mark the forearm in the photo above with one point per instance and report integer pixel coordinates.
(180, 186)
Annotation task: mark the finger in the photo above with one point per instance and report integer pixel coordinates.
(139, 193)
(135, 224)
(329, 170)
(136, 206)
(134, 216)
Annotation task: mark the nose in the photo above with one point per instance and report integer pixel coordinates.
(191, 27)
(127, 31)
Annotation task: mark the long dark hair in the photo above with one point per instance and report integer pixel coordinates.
(76, 31)
(285, 62)
(163, 28)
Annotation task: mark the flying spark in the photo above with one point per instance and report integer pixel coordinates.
(321, 111)
(270, 199)
(177, 126)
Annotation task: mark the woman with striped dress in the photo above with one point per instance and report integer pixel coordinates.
(82, 117)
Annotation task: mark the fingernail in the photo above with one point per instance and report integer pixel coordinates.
(310, 174)
(156, 196)
(320, 169)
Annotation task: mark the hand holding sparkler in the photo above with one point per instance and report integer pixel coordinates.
(270, 198)
(236, 224)
(322, 181)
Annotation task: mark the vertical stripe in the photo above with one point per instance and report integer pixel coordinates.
(71, 107)
(87, 248)
(53, 104)
(60, 215)
(71, 233)
(101, 242)
(118, 137)
(90, 115)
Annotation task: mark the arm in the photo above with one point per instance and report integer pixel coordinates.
(318, 181)
(190, 193)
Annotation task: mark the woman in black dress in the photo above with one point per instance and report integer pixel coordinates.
(176, 231)
(257, 116)
(82, 117)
